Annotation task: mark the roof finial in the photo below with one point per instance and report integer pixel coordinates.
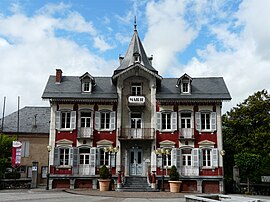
(135, 25)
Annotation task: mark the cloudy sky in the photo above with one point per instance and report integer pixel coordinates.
(203, 38)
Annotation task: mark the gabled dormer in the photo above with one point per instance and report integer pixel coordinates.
(184, 84)
(87, 83)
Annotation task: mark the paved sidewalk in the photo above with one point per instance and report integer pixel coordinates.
(117, 194)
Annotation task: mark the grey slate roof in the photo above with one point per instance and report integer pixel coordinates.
(210, 88)
(27, 120)
(70, 87)
(135, 46)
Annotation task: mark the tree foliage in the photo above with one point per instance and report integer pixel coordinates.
(5, 153)
(249, 164)
(246, 129)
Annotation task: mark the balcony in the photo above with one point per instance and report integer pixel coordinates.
(85, 133)
(189, 171)
(137, 134)
(186, 133)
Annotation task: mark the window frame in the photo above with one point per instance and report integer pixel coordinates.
(207, 157)
(64, 122)
(85, 118)
(66, 158)
(186, 157)
(105, 122)
(136, 89)
(166, 122)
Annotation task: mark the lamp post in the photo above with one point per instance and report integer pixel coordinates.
(111, 150)
(49, 149)
(163, 152)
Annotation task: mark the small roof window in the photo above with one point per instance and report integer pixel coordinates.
(184, 82)
(87, 82)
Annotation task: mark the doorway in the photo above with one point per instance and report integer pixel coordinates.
(135, 161)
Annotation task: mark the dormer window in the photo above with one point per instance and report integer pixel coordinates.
(86, 86)
(87, 83)
(137, 57)
(184, 82)
(185, 86)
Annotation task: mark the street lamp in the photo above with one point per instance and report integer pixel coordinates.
(49, 149)
(111, 150)
(163, 152)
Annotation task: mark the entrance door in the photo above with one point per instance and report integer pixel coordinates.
(135, 161)
(136, 125)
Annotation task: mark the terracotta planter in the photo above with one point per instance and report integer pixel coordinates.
(175, 186)
(104, 185)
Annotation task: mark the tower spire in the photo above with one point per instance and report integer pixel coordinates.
(135, 24)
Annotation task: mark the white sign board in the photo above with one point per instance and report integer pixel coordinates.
(136, 99)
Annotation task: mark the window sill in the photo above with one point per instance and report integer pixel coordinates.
(64, 130)
(64, 166)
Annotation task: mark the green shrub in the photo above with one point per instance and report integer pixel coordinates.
(12, 175)
(174, 175)
(104, 172)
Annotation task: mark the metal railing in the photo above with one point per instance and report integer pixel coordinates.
(85, 132)
(136, 133)
(186, 133)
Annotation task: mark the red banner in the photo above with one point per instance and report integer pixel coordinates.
(16, 153)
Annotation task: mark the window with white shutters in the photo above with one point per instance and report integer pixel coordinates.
(105, 120)
(206, 121)
(167, 121)
(65, 120)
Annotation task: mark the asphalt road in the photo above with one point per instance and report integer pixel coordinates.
(58, 196)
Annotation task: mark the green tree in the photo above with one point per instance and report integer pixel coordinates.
(5, 153)
(246, 129)
(249, 165)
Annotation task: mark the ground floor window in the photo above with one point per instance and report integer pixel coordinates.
(64, 156)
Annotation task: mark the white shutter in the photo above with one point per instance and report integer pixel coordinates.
(112, 121)
(174, 156)
(174, 121)
(198, 121)
(113, 159)
(158, 121)
(215, 157)
(178, 158)
(73, 120)
(25, 149)
(56, 157)
(213, 121)
(57, 120)
(179, 120)
(195, 157)
(75, 162)
(93, 161)
(159, 161)
(192, 120)
(97, 120)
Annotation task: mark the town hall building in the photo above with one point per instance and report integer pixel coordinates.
(138, 124)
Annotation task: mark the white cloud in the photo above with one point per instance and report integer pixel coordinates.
(30, 52)
(168, 33)
(100, 43)
(239, 51)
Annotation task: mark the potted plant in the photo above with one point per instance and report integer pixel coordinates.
(174, 180)
(104, 181)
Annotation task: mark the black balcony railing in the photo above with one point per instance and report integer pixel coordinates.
(137, 133)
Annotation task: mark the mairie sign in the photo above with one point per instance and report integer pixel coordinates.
(136, 99)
